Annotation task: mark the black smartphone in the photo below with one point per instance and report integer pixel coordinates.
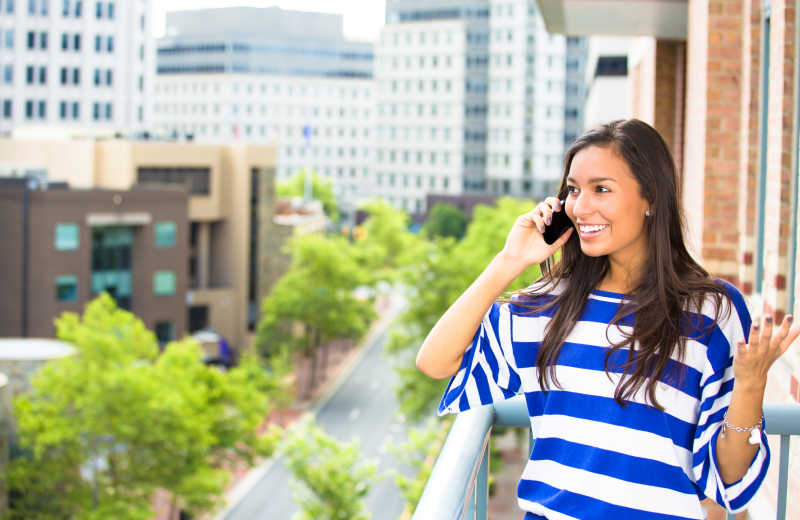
(558, 226)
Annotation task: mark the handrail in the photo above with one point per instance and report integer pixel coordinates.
(457, 487)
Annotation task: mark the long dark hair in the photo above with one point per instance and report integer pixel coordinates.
(671, 285)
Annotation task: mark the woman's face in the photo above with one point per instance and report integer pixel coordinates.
(605, 203)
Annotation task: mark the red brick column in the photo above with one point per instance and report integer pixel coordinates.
(749, 142)
(712, 144)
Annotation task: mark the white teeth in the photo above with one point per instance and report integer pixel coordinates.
(591, 229)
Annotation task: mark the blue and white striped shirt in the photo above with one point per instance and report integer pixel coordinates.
(593, 458)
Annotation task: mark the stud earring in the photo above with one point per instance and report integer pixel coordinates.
(647, 213)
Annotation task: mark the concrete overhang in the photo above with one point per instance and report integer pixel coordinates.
(661, 19)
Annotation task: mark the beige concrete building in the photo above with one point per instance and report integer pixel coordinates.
(230, 208)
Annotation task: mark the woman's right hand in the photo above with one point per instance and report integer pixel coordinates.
(525, 244)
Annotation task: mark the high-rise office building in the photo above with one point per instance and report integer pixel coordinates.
(258, 75)
(472, 99)
(75, 63)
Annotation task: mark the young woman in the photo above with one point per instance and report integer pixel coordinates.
(626, 350)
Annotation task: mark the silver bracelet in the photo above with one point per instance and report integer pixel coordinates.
(755, 430)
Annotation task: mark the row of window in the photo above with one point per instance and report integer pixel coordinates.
(67, 235)
(102, 77)
(74, 8)
(37, 109)
(293, 91)
(67, 285)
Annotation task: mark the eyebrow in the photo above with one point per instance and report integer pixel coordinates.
(593, 180)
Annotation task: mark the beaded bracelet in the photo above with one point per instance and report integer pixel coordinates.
(755, 430)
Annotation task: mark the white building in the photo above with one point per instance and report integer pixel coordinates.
(472, 97)
(75, 63)
(270, 75)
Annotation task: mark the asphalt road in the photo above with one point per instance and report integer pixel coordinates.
(363, 408)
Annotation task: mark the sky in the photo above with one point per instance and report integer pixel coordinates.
(362, 18)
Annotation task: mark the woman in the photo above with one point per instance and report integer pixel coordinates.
(620, 432)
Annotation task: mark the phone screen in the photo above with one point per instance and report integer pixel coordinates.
(558, 226)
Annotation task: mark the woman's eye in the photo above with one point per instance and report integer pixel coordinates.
(602, 189)
(572, 189)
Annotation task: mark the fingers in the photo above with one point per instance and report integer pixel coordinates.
(546, 209)
(563, 238)
(787, 334)
(533, 219)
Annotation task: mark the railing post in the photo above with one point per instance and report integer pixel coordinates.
(783, 476)
(482, 486)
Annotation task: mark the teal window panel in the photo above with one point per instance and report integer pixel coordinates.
(66, 288)
(165, 331)
(164, 283)
(67, 236)
(165, 233)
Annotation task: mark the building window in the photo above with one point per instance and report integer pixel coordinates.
(108, 111)
(31, 40)
(29, 75)
(164, 283)
(109, 77)
(76, 76)
(64, 41)
(165, 332)
(42, 109)
(28, 109)
(62, 110)
(196, 179)
(76, 110)
(43, 40)
(96, 111)
(9, 38)
(65, 9)
(66, 288)
(165, 234)
(78, 8)
(32, 7)
(9, 6)
(7, 113)
(77, 42)
(8, 73)
(96, 77)
(67, 236)
(43, 75)
(111, 10)
(98, 43)
(45, 7)
(110, 43)
(98, 10)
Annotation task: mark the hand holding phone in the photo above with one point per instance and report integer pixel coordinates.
(559, 224)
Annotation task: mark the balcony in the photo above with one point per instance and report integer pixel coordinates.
(458, 485)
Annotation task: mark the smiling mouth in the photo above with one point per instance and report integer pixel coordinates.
(591, 231)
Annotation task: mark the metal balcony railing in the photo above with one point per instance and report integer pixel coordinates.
(459, 483)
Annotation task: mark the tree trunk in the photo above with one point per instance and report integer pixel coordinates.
(324, 354)
(311, 348)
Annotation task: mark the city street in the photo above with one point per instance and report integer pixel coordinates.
(362, 408)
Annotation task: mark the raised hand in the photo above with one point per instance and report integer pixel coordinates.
(752, 360)
(525, 244)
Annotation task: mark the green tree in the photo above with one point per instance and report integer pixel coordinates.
(321, 190)
(332, 478)
(386, 243)
(440, 272)
(445, 220)
(315, 301)
(101, 430)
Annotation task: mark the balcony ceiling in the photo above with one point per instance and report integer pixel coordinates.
(661, 19)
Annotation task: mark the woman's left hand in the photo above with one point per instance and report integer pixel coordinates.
(753, 360)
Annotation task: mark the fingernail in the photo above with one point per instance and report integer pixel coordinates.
(548, 220)
(755, 325)
(790, 318)
(768, 319)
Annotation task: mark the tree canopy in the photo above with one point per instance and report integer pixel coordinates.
(321, 190)
(101, 430)
(445, 220)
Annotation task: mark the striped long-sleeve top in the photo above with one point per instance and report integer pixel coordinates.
(593, 458)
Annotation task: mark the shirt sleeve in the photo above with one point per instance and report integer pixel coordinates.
(488, 372)
(716, 389)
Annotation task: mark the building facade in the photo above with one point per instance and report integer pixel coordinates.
(75, 63)
(67, 246)
(485, 80)
(228, 216)
(272, 76)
